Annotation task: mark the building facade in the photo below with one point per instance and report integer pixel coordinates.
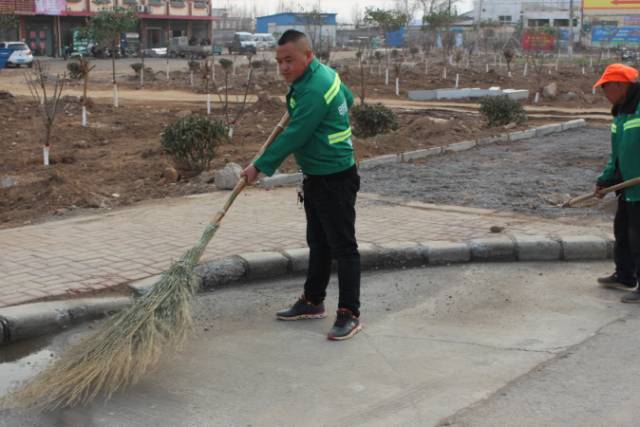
(320, 28)
(612, 22)
(47, 26)
(595, 22)
(554, 13)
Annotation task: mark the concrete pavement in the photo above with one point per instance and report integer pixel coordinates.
(478, 344)
(92, 253)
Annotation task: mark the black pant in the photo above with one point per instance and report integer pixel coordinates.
(626, 229)
(329, 203)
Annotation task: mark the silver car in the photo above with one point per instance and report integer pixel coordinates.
(21, 54)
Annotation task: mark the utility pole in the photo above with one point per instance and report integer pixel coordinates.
(570, 47)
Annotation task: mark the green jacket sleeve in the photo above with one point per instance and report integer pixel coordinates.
(608, 173)
(607, 176)
(308, 113)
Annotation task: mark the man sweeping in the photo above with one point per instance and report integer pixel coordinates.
(620, 86)
(319, 136)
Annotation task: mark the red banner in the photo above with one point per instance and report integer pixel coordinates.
(538, 41)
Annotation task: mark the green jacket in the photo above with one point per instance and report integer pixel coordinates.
(319, 133)
(624, 161)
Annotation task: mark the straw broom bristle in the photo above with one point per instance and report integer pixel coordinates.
(127, 346)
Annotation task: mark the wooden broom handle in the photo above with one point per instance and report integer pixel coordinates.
(621, 186)
(242, 183)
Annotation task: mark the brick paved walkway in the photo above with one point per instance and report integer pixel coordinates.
(96, 252)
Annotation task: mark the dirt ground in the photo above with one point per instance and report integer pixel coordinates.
(118, 159)
(531, 177)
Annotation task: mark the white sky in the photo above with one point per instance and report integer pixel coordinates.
(344, 8)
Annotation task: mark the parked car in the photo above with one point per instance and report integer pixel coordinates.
(629, 55)
(264, 41)
(21, 54)
(242, 43)
(156, 52)
(183, 48)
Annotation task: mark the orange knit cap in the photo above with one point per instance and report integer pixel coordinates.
(618, 73)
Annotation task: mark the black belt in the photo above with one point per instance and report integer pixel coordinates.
(334, 176)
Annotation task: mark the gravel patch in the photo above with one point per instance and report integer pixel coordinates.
(531, 176)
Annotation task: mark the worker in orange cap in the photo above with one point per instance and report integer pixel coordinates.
(619, 83)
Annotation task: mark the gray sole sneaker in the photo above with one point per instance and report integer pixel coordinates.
(613, 282)
(631, 298)
(345, 326)
(346, 337)
(617, 286)
(302, 309)
(302, 316)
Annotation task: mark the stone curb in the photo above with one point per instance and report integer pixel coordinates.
(281, 180)
(21, 322)
(30, 320)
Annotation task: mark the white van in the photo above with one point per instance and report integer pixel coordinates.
(265, 40)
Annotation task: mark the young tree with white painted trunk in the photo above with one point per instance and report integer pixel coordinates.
(231, 119)
(437, 19)
(105, 28)
(360, 54)
(47, 98)
(85, 69)
(206, 70)
(386, 21)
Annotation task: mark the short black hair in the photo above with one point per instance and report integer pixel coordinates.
(291, 36)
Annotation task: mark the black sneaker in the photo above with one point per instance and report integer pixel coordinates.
(302, 309)
(631, 298)
(614, 282)
(345, 326)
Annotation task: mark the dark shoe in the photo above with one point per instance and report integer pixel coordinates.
(345, 326)
(614, 282)
(302, 309)
(631, 298)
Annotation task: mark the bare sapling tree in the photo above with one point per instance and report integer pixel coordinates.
(264, 65)
(313, 22)
(397, 65)
(360, 54)
(243, 105)
(141, 53)
(105, 28)
(231, 119)
(458, 57)
(194, 67)
(85, 68)
(386, 21)
(48, 100)
(536, 57)
(206, 70)
(508, 57)
(227, 66)
(379, 57)
(437, 20)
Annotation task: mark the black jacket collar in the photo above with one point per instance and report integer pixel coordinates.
(630, 103)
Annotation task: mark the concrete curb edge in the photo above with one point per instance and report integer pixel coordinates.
(30, 320)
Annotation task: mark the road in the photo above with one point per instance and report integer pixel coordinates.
(517, 344)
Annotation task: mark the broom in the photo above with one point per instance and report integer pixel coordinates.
(589, 196)
(132, 341)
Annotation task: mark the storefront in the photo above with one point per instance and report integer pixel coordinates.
(39, 34)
